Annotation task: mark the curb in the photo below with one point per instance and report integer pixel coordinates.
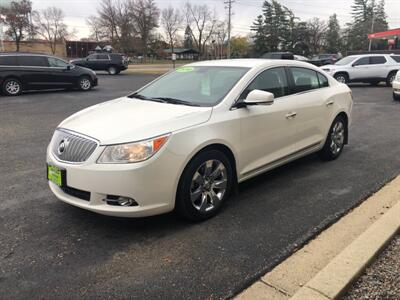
(333, 280)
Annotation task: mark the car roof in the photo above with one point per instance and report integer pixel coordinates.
(23, 54)
(249, 63)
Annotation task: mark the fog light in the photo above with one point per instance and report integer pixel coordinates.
(120, 201)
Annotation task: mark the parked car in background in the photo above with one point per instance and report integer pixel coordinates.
(188, 138)
(278, 55)
(27, 71)
(301, 58)
(396, 87)
(113, 63)
(367, 68)
(324, 59)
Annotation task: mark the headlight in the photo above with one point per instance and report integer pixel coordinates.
(132, 152)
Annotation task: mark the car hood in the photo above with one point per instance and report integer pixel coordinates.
(127, 120)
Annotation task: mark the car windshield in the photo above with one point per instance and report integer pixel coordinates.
(197, 85)
(345, 61)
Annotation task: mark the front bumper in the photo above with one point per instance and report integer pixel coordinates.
(152, 184)
(95, 81)
(396, 87)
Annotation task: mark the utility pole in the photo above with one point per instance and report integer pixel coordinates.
(372, 25)
(229, 3)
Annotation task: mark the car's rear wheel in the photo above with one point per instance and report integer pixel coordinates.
(85, 84)
(112, 70)
(12, 87)
(335, 140)
(204, 186)
(342, 78)
(390, 79)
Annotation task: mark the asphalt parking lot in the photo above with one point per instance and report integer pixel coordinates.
(50, 250)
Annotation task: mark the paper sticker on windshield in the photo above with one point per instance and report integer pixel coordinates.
(185, 69)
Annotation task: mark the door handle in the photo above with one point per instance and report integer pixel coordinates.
(291, 115)
(330, 103)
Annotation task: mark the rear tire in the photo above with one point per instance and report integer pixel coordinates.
(112, 70)
(204, 186)
(335, 140)
(12, 87)
(85, 84)
(342, 78)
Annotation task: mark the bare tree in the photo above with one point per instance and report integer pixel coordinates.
(16, 19)
(49, 25)
(316, 30)
(171, 21)
(145, 15)
(202, 22)
(221, 34)
(96, 28)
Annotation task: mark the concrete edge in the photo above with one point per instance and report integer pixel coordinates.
(332, 281)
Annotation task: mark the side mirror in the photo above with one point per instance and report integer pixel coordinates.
(68, 68)
(259, 97)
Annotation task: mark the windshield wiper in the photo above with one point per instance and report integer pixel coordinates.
(141, 97)
(175, 101)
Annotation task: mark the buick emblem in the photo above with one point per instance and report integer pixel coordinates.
(61, 147)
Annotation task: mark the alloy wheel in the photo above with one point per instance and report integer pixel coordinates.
(341, 79)
(13, 87)
(85, 84)
(337, 138)
(112, 71)
(208, 185)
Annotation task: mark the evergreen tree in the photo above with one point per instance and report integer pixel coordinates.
(188, 39)
(333, 39)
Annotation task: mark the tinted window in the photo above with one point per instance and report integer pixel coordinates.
(362, 61)
(323, 81)
(102, 56)
(304, 79)
(32, 61)
(57, 63)
(396, 58)
(378, 60)
(272, 80)
(92, 56)
(8, 61)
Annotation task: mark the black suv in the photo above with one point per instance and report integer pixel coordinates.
(113, 63)
(27, 71)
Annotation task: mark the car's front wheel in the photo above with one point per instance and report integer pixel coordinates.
(335, 140)
(12, 87)
(85, 84)
(390, 79)
(204, 186)
(342, 78)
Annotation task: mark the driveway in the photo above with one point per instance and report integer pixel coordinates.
(51, 250)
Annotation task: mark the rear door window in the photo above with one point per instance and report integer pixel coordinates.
(304, 79)
(8, 61)
(378, 60)
(102, 57)
(32, 61)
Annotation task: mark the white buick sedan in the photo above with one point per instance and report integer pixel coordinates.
(185, 140)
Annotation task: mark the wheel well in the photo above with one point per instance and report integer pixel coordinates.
(342, 72)
(224, 149)
(346, 119)
(392, 72)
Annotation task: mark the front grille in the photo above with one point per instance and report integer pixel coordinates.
(76, 193)
(71, 147)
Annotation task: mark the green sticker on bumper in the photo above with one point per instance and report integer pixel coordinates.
(54, 175)
(185, 69)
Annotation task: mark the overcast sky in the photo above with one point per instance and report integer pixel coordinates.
(245, 11)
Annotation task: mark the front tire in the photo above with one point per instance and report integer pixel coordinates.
(12, 87)
(335, 140)
(85, 84)
(390, 79)
(204, 186)
(342, 78)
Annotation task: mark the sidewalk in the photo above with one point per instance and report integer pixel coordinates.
(327, 265)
